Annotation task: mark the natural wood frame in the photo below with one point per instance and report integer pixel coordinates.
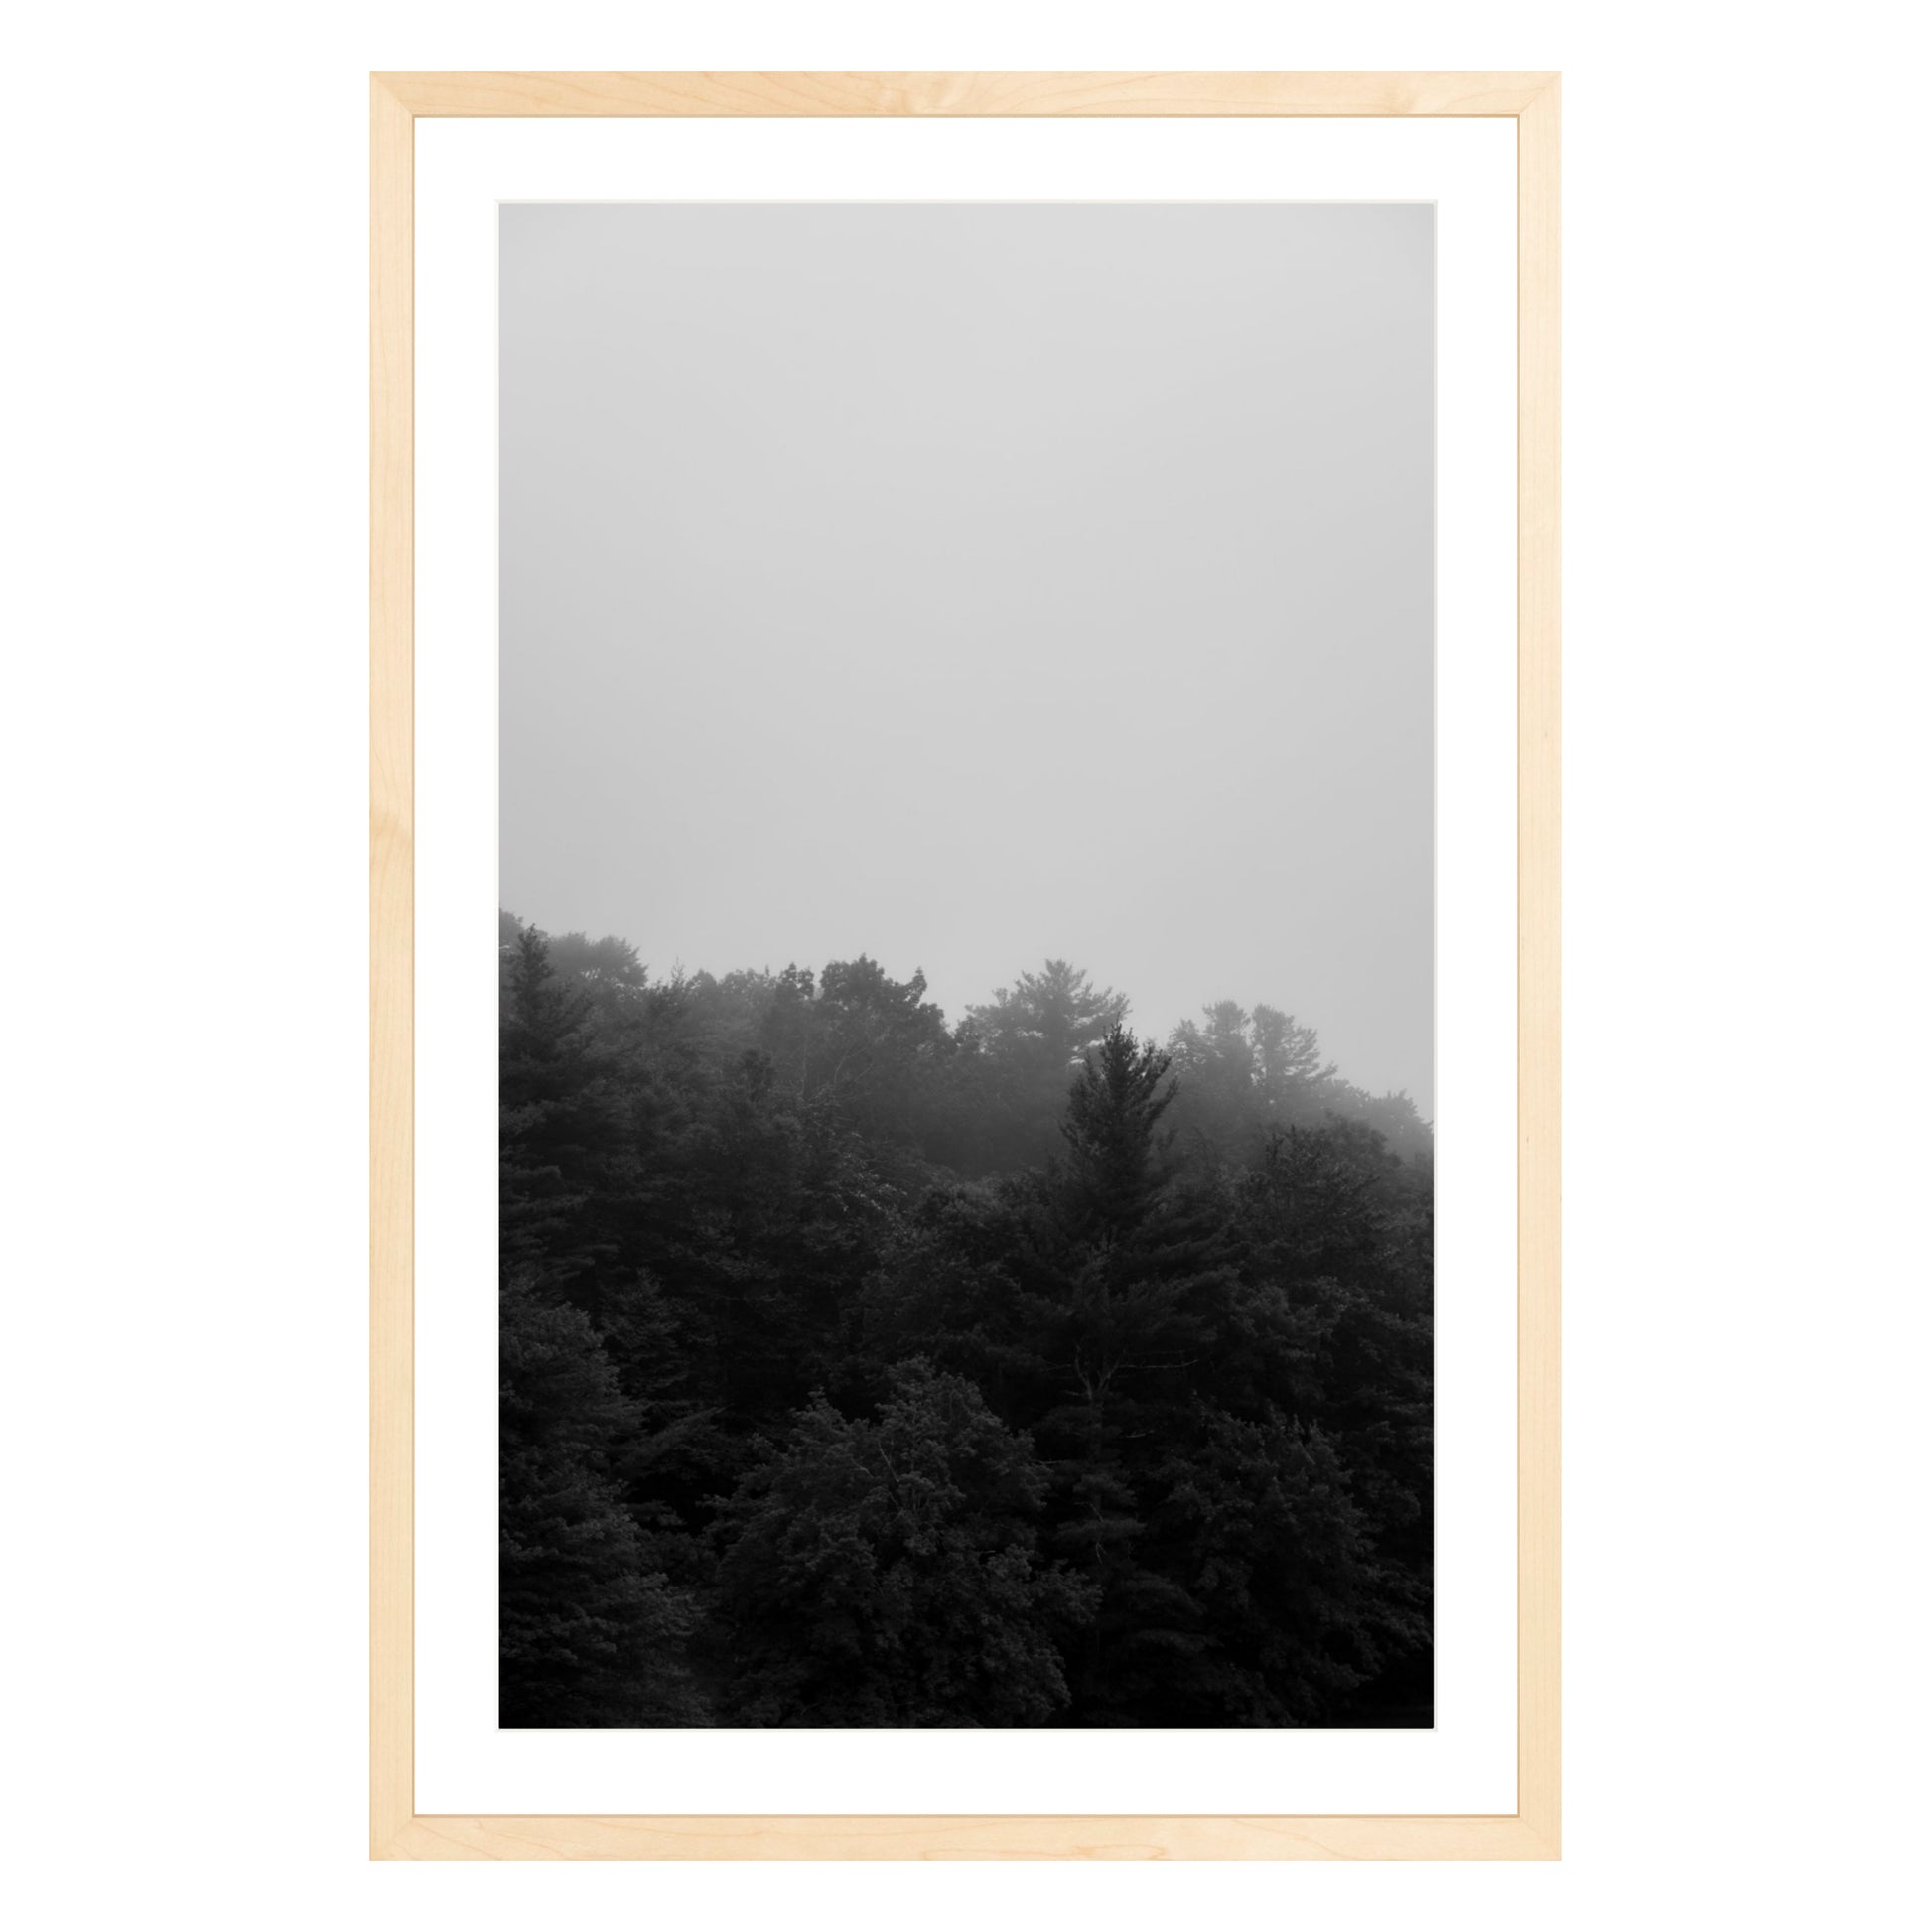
(397, 1830)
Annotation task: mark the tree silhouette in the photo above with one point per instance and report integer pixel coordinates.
(860, 1370)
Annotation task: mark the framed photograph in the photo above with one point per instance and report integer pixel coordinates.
(964, 906)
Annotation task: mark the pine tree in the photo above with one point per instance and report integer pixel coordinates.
(555, 1127)
(1030, 1038)
(1133, 1428)
(1113, 1112)
(592, 1633)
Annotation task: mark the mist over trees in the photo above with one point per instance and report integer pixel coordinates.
(863, 1368)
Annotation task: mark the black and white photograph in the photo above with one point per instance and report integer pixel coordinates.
(966, 1004)
(1166, 715)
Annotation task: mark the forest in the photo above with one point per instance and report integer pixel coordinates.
(859, 1368)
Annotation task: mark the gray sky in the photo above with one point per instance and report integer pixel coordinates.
(973, 584)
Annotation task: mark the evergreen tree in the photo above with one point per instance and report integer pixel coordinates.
(1028, 1040)
(556, 1127)
(591, 1633)
(1125, 1357)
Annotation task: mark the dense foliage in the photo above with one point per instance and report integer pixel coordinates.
(860, 1369)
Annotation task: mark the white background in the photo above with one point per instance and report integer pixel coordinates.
(1467, 1761)
(183, 755)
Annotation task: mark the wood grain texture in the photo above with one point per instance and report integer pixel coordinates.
(396, 1831)
(909, 1837)
(965, 96)
(1539, 1047)
(393, 945)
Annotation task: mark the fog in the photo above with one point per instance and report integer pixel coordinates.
(973, 585)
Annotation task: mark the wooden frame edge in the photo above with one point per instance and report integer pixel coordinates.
(392, 897)
(915, 1837)
(397, 1830)
(795, 95)
(1539, 934)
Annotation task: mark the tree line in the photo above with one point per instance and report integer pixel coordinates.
(862, 1369)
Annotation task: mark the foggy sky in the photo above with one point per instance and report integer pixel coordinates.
(968, 585)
